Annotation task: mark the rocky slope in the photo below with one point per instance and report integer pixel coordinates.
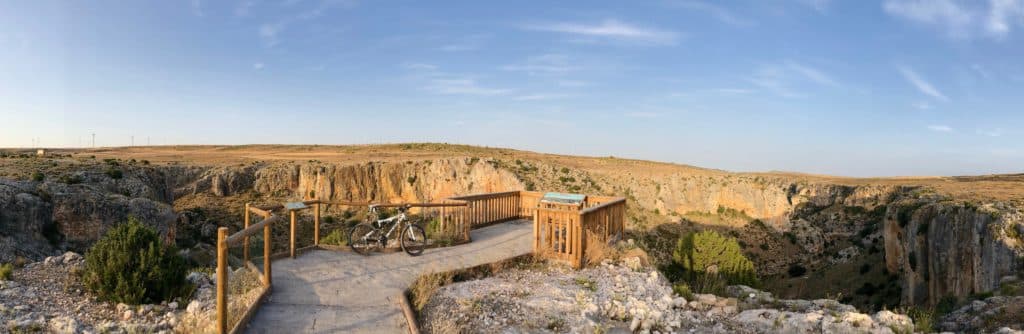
(624, 297)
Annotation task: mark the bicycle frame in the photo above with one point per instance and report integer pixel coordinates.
(395, 221)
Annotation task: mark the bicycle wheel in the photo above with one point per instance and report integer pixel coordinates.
(364, 238)
(413, 239)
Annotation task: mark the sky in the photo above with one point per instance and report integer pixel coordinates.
(857, 88)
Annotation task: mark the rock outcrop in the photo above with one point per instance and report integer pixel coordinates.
(952, 249)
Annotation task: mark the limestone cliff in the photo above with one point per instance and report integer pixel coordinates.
(952, 249)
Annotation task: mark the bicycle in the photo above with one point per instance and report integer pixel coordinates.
(365, 237)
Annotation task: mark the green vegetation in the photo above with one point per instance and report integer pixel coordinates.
(337, 237)
(708, 261)
(114, 173)
(6, 269)
(586, 283)
(411, 180)
(38, 176)
(70, 179)
(683, 290)
(131, 265)
(924, 320)
(796, 270)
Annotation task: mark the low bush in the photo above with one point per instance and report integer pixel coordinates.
(338, 237)
(796, 270)
(114, 173)
(38, 176)
(130, 265)
(6, 269)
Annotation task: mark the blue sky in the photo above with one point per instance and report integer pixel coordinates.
(860, 88)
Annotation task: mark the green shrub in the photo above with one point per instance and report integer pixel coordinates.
(38, 176)
(6, 269)
(336, 238)
(131, 265)
(923, 319)
(114, 173)
(683, 290)
(796, 270)
(707, 253)
(70, 179)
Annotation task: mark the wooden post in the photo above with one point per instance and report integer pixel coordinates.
(292, 212)
(266, 255)
(222, 280)
(245, 246)
(316, 224)
(536, 234)
(579, 242)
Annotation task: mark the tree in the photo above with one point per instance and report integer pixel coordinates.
(708, 253)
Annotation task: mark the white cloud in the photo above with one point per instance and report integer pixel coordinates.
(269, 32)
(197, 8)
(462, 86)
(1002, 14)
(997, 132)
(940, 128)
(258, 66)
(718, 12)
(818, 5)
(812, 74)
(642, 114)
(243, 8)
(573, 83)
(611, 29)
(549, 64)
(782, 78)
(955, 19)
(419, 66)
(457, 47)
(921, 84)
(961, 19)
(539, 97)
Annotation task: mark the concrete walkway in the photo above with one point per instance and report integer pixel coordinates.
(343, 292)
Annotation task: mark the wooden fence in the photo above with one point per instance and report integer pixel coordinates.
(559, 233)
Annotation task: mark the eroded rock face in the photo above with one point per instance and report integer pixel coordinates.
(951, 248)
(39, 219)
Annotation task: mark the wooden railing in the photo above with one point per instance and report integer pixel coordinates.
(559, 233)
(563, 234)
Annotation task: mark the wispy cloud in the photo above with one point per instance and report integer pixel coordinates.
(718, 12)
(1002, 14)
(258, 66)
(243, 8)
(197, 8)
(549, 64)
(539, 97)
(955, 19)
(940, 128)
(818, 5)
(961, 19)
(997, 132)
(462, 86)
(921, 84)
(611, 29)
(270, 33)
(419, 66)
(642, 114)
(812, 74)
(573, 83)
(782, 79)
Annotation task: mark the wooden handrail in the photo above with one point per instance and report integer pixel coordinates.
(420, 205)
(601, 206)
(239, 236)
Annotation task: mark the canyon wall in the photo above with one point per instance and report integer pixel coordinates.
(937, 248)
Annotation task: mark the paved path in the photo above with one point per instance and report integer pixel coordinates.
(325, 291)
